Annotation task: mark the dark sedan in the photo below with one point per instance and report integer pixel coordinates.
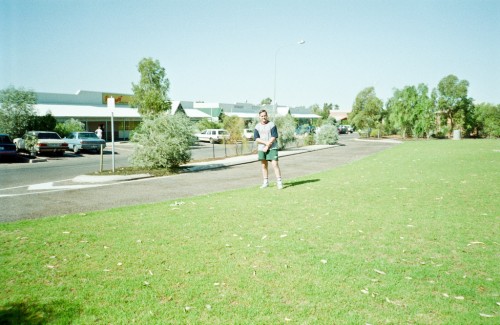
(7, 148)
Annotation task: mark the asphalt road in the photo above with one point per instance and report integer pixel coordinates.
(50, 199)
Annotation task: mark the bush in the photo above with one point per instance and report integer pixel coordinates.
(162, 142)
(71, 125)
(328, 134)
(286, 130)
(309, 140)
(208, 124)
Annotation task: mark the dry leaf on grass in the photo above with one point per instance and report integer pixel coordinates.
(379, 272)
(475, 243)
(459, 297)
(486, 315)
(324, 261)
(365, 291)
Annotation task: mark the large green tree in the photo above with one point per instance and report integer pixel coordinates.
(453, 104)
(16, 110)
(411, 111)
(151, 93)
(488, 119)
(367, 111)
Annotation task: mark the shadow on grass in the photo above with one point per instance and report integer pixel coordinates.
(297, 183)
(32, 313)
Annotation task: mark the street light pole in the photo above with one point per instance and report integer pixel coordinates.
(275, 74)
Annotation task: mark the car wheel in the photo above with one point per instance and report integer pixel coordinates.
(212, 141)
(75, 149)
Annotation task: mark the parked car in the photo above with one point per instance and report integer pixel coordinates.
(88, 141)
(36, 142)
(248, 134)
(342, 129)
(7, 148)
(350, 129)
(212, 135)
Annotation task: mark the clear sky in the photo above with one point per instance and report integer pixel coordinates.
(224, 50)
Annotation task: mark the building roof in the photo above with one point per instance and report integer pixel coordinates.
(339, 116)
(85, 111)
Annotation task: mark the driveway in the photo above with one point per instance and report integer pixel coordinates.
(50, 199)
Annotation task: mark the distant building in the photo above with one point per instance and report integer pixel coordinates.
(90, 107)
(339, 116)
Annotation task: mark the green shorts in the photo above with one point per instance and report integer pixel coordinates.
(269, 155)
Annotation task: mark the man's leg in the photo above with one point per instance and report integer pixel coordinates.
(265, 174)
(277, 172)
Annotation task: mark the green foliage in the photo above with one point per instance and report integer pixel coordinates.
(208, 124)
(286, 130)
(367, 110)
(29, 143)
(309, 139)
(328, 134)
(325, 112)
(42, 123)
(266, 101)
(162, 142)
(151, 93)
(71, 125)
(16, 110)
(453, 103)
(488, 119)
(234, 125)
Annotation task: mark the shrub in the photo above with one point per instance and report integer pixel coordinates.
(208, 124)
(71, 125)
(309, 140)
(328, 134)
(286, 130)
(162, 142)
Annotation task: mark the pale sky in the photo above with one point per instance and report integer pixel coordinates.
(224, 50)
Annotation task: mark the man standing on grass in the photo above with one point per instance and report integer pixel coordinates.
(266, 135)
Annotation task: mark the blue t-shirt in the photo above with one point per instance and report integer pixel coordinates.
(266, 132)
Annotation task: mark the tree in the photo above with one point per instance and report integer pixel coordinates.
(452, 102)
(16, 110)
(325, 113)
(367, 110)
(163, 139)
(488, 119)
(150, 94)
(163, 142)
(412, 111)
(266, 101)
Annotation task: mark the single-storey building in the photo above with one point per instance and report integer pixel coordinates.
(90, 107)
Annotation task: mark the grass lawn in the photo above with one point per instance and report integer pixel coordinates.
(409, 235)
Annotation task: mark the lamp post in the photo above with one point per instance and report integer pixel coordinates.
(275, 70)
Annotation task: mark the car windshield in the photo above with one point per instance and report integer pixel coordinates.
(88, 135)
(4, 139)
(48, 136)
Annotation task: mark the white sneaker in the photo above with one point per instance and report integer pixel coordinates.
(264, 185)
(279, 184)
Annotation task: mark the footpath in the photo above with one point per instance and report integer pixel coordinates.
(200, 166)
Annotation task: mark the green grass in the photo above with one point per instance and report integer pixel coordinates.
(410, 235)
